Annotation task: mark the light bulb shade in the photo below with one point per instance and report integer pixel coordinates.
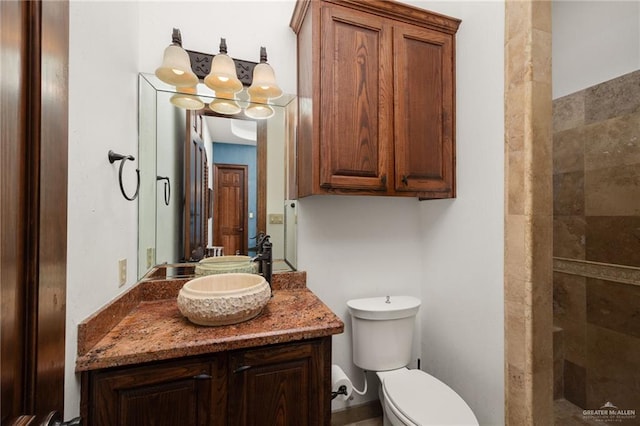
(176, 67)
(223, 77)
(187, 99)
(264, 83)
(259, 111)
(226, 104)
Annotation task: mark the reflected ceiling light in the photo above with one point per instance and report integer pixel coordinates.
(222, 77)
(259, 111)
(264, 80)
(187, 99)
(176, 65)
(225, 104)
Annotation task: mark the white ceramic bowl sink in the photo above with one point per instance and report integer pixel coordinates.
(224, 298)
(225, 265)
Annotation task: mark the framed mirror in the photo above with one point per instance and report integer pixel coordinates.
(209, 179)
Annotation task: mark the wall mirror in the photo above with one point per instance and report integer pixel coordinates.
(226, 175)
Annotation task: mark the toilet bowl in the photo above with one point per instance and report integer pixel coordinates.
(382, 334)
(415, 398)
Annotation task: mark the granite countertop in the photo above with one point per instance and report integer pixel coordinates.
(145, 325)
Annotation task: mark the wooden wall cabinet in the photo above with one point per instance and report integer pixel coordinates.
(376, 99)
(279, 385)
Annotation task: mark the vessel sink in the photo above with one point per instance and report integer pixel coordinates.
(223, 299)
(225, 265)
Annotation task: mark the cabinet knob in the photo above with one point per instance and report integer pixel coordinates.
(383, 179)
(242, 368)
(405, 180)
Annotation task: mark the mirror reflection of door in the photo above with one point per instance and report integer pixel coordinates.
(196, 197)
(230, 216)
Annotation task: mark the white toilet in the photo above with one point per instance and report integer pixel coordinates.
(382, 338)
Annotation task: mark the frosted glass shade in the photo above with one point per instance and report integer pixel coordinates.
(187, 100)
(222, 77)
(264, 83)
(176, 68)
(259, 111)
(225, 104)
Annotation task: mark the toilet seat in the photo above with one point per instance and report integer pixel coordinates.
(421, 399)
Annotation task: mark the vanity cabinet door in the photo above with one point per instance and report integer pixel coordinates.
(355, 101)
(424, 112)
(173, 393)
(282, 385)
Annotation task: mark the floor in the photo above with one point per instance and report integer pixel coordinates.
(565, 413)
(369, 422)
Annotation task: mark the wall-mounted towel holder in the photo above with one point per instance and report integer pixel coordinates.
(113, 157)
(167, 188)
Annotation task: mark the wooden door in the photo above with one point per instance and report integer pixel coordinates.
(424, 124)
(33, 207)
(196, 214)
(356, 101)
(230, 221)
(174, 393)
(283, 385)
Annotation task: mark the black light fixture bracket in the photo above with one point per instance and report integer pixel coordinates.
(201, 66)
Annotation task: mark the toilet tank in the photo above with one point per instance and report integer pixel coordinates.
(382, 331)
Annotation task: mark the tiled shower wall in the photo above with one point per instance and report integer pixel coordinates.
(596, 243)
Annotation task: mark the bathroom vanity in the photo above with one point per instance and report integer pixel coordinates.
(142, 362)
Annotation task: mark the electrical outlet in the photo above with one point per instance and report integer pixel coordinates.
(122, 272)
(151, 257)
(275, 219)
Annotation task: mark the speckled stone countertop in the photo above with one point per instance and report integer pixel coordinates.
(144, 324)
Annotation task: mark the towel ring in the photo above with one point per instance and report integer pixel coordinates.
(113, 157)
(167, 188)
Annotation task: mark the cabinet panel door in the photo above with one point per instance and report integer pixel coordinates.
(170, 394)
(356, 100)
(424, 111)
(276, 386)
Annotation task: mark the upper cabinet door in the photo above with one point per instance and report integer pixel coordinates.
(424, 112)
(356, 100)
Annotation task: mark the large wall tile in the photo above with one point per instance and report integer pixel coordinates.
(569, 237)
(570, 314)
(613, 98)
(614, 306)
(612, 191)
(613, 369)
(568, 111)
(613, 239)
(568, 194)
(575, 386)
(568, 150)
(611, 143)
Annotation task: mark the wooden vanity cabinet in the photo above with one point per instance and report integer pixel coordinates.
(376, 93)
(278, 385)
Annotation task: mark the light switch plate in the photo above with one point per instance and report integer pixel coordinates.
(122, 272)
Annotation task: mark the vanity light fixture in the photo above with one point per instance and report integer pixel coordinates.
(176, 65)
(187, 99)
(264, 84)
(222, 74)
(223, 77)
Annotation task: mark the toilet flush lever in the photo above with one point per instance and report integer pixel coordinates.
(388, 299)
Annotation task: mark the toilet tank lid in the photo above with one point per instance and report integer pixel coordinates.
(384, 308)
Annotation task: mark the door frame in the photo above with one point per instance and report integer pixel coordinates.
(34, 205)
